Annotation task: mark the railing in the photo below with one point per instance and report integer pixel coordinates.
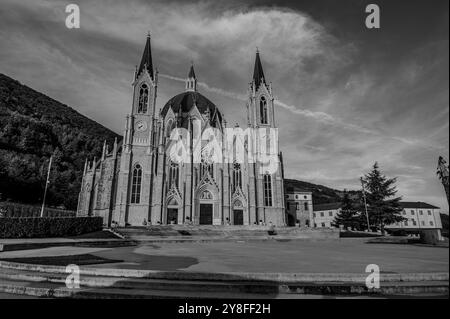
(11, 209)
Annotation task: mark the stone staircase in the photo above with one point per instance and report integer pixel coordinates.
(49, 281)
(223, 233)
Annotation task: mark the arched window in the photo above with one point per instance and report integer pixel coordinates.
(172, 202)
(173, 174)
(136, 184)
(238, 204)
(267, 190)
(237, 176)
(169, 127)
(143, 99)
(263, 110)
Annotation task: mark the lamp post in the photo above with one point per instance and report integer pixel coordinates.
(365, 204)
(46, 185)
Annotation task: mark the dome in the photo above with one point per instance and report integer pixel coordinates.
(186, 101)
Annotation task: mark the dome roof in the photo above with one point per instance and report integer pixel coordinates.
(186, 101)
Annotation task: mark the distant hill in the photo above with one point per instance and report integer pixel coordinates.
(321, 194)
(33, 127)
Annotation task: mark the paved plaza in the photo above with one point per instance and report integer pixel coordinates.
(338, 256)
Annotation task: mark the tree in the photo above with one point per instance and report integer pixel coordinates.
(382, 204)
(348, 216)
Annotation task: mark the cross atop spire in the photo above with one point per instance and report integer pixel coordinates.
(258, 73)
(146, 61)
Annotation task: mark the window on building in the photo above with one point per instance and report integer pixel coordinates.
(173, 174)
(143, 98)
(412, 212)
(322, 214)
(237, 176)
(330, 214)
(314, 215)
(136, 184)
(323, 224)
(169, 127)
(297, 206)
(429, 212)
(267, 190)
(288, 206)
(406, 223)
(305, 197)
(421, 212)
(414, 222)
(431, 223)
(263, 110)
(423, 223)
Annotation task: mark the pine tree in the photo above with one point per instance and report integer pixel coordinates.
(348, 216)
(382, 204)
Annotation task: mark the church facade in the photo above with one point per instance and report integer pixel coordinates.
(136, 182)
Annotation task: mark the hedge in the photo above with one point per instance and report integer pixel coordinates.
(40, 227)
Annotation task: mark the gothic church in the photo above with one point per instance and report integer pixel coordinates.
(136, 183)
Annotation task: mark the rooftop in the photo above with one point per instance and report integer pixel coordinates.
(327, 206)
(417, 205)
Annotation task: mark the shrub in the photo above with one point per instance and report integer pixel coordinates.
(37, 227)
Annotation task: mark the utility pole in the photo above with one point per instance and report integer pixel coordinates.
(46, 185)
(365, 204)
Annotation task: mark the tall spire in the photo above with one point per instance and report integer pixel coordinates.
(191, 81)
(146, 61)
(258, 73)
(191, 74)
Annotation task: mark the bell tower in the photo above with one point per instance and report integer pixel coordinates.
(260, 110)
(144, 99)
(138, 150)
(266, 173)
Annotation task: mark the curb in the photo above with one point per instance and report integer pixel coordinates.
(232, 276)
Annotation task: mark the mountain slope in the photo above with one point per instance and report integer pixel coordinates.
(33, 127)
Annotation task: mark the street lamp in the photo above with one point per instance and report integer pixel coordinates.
(365, 204)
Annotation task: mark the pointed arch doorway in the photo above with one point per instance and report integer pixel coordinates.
(238, 213)
(172, 212)
(206, 208)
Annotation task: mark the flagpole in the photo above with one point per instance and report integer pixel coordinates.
(365, 204)
(46, 185)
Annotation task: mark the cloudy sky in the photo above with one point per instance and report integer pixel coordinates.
(347, 96)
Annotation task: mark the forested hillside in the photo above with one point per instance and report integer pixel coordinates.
(321, 194)
(32, 128)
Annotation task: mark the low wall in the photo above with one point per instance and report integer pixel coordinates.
(10, 209)
(44, 227)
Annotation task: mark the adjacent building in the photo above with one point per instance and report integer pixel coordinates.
(299, 207)
(419, 216)
(324, 214)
